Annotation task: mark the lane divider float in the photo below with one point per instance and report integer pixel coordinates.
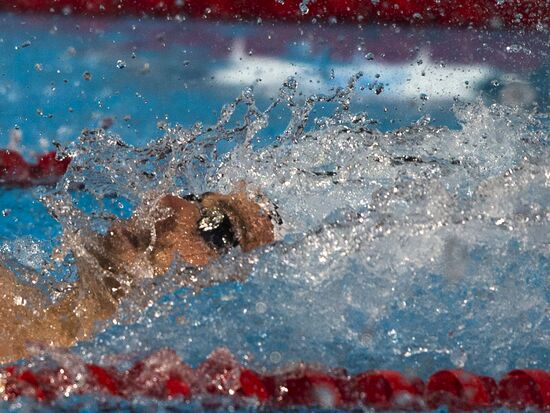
(163, 375)
(490, 13)
(16, 172)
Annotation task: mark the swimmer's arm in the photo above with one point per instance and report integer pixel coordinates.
(27, 316)
(24, 318)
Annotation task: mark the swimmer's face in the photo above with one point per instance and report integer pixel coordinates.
(200, 229)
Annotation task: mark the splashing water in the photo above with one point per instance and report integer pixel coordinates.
(417, 249)
(304, 8)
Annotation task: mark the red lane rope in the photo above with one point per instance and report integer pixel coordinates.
(163, 375)
(519, 13)
(16, 172)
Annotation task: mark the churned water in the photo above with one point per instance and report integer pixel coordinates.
(417, 248)
(414, 245)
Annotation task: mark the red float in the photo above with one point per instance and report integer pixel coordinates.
(252, 385)
(43, 385)
(104, 380)
(386, 389)
(176, 387)
(490, 13)
(48, 169)
(163, 375)
(525, 388)
(219, 374)
(16, 172)
(306, 387)
(460, 390)
(24, 383)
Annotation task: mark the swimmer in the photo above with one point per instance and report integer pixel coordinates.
(196, 230)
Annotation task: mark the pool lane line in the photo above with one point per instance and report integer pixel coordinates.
(481, 13)
(16, 172)
(163, 375)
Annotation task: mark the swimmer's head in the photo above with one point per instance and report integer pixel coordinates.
(196, 229)
(201, 228)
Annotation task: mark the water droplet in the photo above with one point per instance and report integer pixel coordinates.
(23, 45)
(369, 56)
(495, 82)
(459, 358)
(121, 64)
(87, 75)
(304, 9)
(424, 96)
(516, 48)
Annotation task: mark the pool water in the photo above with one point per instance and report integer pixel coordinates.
(410, 168)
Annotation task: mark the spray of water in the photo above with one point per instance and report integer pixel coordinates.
(417, 248)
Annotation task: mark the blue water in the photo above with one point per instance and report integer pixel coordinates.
(380, 262)
(172, 71)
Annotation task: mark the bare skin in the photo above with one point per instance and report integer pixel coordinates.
(196, 231)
